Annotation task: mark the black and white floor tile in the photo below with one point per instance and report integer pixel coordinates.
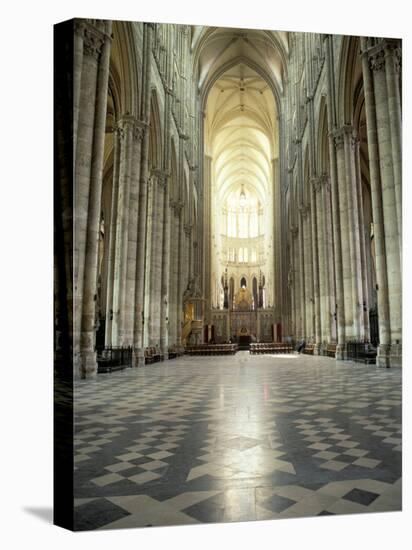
(238, 438)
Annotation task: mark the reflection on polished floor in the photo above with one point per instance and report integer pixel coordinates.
(237, 438)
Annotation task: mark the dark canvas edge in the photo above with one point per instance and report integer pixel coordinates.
(63, 424)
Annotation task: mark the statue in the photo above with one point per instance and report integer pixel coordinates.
(192, 289)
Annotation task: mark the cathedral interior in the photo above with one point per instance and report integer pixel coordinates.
(237, 197)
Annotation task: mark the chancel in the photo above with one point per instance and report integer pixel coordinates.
(237, 193)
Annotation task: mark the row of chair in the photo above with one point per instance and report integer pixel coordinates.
(212, 349)
(174, 352)
(331, 350)
(152, 355)
(114, 358)
(272, 347)
(309, 348)
(362, 352)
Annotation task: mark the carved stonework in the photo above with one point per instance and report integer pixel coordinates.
(398, 60)
(377, 61)
(118, 131)
(304, 209)
(392, 49)
(316, 184)
(125, 125)
(93, 43)
(161, 177)
(79, 27)
(355, 142)
(176, 206)
(338, 140)
(139, 130)
(294, 230)
(339, 135)
(324, 181)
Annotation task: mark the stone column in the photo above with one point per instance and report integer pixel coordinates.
(339, 307)
(112, 237)
(79, 27)
(149, 249)
(156, 242)
(320, 237)
(353, 233)
(138, 344)
(315, 267)
(389, 204)
(173, 263)
(180, 284)
(293, 281)
(302, 278)
(308, 263)
(132, 236)
(277, 247)
(328, 269)
(361, 224)
(88, 185)
(383, 202)
(185, 268)
(125, 129)
(393, 54)
(166, 283)
(377, 210)
(345, 237)
(207, 184)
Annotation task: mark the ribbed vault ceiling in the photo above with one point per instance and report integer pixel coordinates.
(241, 131)
(217, 48)
(240, 76)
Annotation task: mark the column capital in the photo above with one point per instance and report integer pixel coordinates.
(304, 209)
(393, 48)
(178, 208)
(377, 60)
(339, 135)
(161, 177)
(378, 50)
(78, 26)
(126, 123)
(93, 41)
(316, 183)
(294, 230)
(355, 141)
(324, 180)
(139, 130)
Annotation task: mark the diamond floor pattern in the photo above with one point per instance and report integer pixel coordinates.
(236, 438)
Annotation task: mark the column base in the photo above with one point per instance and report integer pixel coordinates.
(76, 366)
(395, 357)
(88, 364)
(137, 355)
(317, 350)
(340, 352)
(383, 356)
(139, 358)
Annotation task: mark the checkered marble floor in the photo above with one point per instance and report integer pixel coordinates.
(217, 439)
